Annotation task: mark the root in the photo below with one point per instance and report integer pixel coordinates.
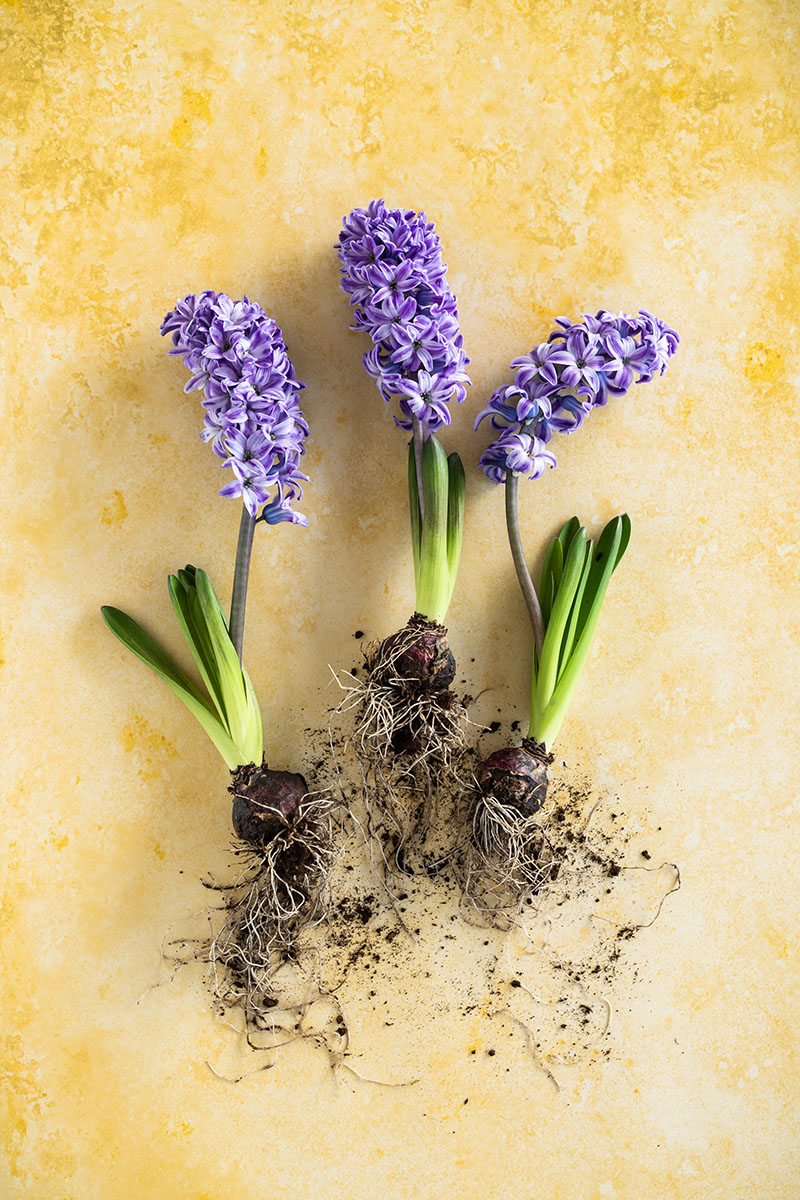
(407, 740)
(510, 865)
(255, 948)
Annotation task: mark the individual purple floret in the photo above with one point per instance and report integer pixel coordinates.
(392, 270)
(519, 452)
(253, 421)
(558, 384)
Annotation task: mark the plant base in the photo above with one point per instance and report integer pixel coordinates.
(516, 777)
(509, 857)
(286, 851)
(409, 726)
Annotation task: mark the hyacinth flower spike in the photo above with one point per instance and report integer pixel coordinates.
(252, 419)
(555, 388)
(392, 270)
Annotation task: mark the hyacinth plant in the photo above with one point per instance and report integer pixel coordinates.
(254, 424)
(408, 719)
(580, 367)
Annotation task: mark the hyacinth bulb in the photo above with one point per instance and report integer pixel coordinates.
(517, 777)
(265, 802)
(425, 661)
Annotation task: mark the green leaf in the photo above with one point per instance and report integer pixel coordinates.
(433, 586)
(570, 633)
(567, 534)
(551, 650)
(551, 576)
(253, 747)
(226, 660)
(131, 634)
(549, 716)
(625, 539)
(413, 508)
(187, 610)
(456, 492)
(617, 533)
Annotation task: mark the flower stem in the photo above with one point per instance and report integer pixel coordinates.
(240, 575)
(419, 446)
(518, 554)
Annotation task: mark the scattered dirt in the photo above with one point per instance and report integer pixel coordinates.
(399, 946)
(406, 950)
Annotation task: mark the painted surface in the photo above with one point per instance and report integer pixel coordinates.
(573, 156)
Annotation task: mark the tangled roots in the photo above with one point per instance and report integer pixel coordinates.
(509, 862)
(408, 729)
(510, 859)
(280, 893)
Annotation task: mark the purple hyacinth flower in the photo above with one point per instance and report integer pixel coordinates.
(512, 405)
(580, 359)
(623, 358)
(522, 453)
(425, 396)
(416, 346)
(392, 270)
(281, 510)
(236, 354)
(557, 385)
(536, 366)
(252, 487)
(382, 321)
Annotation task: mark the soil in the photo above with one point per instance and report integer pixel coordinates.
(395, 953)
(405, 952)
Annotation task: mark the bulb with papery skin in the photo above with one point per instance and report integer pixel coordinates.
(517, 776)
(265, 802)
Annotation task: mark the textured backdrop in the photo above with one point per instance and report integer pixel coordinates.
(574, 156)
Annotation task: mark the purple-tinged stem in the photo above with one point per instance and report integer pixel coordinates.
(518, 554)
(241, 573)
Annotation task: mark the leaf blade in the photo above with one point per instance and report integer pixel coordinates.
(413, 510)
(456, 493)
(226, 659)
(187, 613)
(138, 641)
(558, 702)
(570, 580)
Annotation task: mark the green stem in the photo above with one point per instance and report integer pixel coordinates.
(433, 582)
(518, 554)
(240, 575)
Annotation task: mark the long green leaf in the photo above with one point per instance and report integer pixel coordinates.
(625, 539)
(250, 740)
(570, 634)
(253, 747)
(570, 580)
(567, 534)
(552, 714)
(551, 575)
(131, 634)
(226, 659)
(616, 533)
(413, 509)
(456, 492)
(197, 639)
(433, 587)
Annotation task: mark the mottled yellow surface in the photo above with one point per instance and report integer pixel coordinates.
(616, 154)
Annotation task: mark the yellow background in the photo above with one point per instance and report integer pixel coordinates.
(573, 156)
